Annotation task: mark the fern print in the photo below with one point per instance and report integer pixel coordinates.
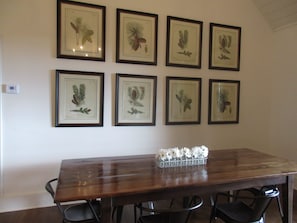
(82, 32)
(223, 101)
(136, 95)
(184, 101)
(135, 36)
(225, 44)
(183, 42)
(78, 98)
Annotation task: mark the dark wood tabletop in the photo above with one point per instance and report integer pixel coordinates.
(127, 179)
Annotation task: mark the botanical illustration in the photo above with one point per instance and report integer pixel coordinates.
(136, 96)
(82, 32)
(79, 98)
(184, 101)
(224, 47)
(136, 37)
(223, 101)
(183, 96)
(183, 43)
(135, 100)
(79, 94)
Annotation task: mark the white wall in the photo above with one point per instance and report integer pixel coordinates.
(33, 149)
(283, 121)
(1, 131)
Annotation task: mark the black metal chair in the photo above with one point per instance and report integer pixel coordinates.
(173, 212)
(256, 191)
(243, 209)
(84, 212)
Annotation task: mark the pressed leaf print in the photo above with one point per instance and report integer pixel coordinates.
(224, 46)
(82, 32)
(183, 42)
(223, 101)
(184, 101)
(78, 98)
(136, 95)
(135, 36)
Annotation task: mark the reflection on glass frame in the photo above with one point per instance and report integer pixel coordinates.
(80, 31)
(183, 100)
(223, 105)
(224, 47)
(184, 42)
(79, 98)
(135, 100)
(136, 37)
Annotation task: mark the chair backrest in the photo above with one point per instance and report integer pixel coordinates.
(262, 201)
(50, 189)
(88, 211)
(173, 213)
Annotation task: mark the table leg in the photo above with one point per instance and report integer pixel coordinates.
(106, 210)
(287, 196)
(119, 212)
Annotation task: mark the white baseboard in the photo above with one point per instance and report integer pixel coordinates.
(16, 203)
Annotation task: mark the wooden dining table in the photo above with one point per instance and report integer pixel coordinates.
(122, 180)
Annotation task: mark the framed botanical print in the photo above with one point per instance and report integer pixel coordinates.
(224, 47)
(183, 100)
(223, 101)
(136, 37)
(81, 31)
(135, 100)
(79, 98)
(184, 42)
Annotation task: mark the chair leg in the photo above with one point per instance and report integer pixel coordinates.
(280, 207)
(150, 205)
(212, 214)
(135, 214)
(119, 213)
(118, 210)
(211, 219)
(93, 211)
(211, 200)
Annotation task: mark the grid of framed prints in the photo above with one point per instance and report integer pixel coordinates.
(79, 94)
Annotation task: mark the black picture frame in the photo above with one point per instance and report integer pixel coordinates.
(135, 100)
(184, 42)
(136, 37)
(224, 99)
(224, 47)
(183, 100)
(79, 99)
(80, 30)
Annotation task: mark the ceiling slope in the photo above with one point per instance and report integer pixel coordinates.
(278, 13)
